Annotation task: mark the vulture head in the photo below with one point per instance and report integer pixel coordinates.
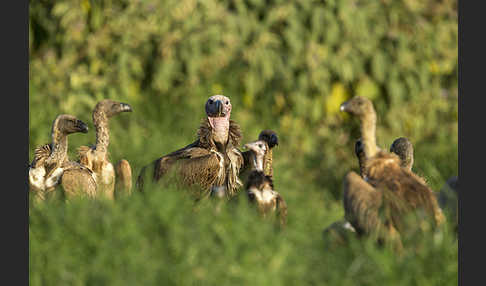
(68, 124)
(258, 149)
(358, 106)
(110, 107)
(404, 149)
(218, 110)
(270, 137)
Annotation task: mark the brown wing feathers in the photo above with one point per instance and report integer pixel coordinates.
(389, 192)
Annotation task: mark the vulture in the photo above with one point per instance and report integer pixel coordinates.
(271, 140)
(51, 166)
(259, 187)
(212, 162)
(380, 202)
(401, 146)
(96, 157)
(404, 149)
(123, 182)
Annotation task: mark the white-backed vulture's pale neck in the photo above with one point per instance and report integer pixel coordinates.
(404, 149)
(363, 109)
(258, 150)
(62, 126)
(101, 113)
(218, 109)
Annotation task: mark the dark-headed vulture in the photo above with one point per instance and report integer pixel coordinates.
(259, 186)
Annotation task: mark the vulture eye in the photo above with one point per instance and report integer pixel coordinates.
(259, 145)
(227, 102)
(251, 196)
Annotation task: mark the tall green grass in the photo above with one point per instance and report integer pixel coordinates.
(161, 237)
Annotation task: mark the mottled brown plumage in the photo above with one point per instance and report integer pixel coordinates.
(123, 173)
(78, 181)
(213, 160)
(401, 146)
(379, 202)
(96, 157)
(51, 160)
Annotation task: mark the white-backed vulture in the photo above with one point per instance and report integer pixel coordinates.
(213, 161)
(378, 202)
(401, 146)
(51, 162)
(96, 157)
(259, 187)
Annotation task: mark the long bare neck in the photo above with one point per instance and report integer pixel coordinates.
(268, 160)
(257, 162)
(59, 147)
(100, 121)
(368, 134)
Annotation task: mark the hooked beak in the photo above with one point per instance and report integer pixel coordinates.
(215, 109)
(82, 126)
(343, 106)
(126, 107)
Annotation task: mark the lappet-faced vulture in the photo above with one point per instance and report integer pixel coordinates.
(51, 165)
(212, 162)
(96, 157)
(378, 202)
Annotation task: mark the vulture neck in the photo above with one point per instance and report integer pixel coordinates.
(100, 121)
(368, 133)
(59, 147)
(221, 126)
(268, 167)
(407, 164)
(257, 161)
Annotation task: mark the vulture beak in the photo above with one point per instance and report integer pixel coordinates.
(125, 107)
(220, 107)
(343, 106)
(215, 109)
(248, 146)
(82, 126)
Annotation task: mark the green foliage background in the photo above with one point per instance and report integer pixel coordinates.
(287, 66)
